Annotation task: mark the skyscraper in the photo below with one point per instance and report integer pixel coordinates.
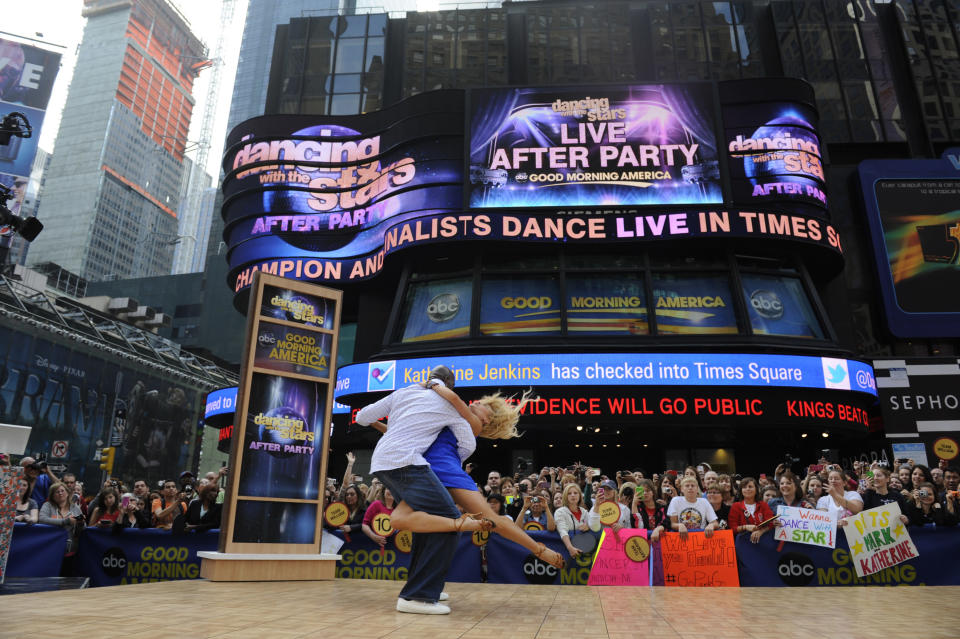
(110, 201)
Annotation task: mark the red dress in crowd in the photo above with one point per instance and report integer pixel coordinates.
(740, 517)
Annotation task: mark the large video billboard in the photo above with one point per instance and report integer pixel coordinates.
(328, 198)
(26, 80)
(913, 208)
(576, 146)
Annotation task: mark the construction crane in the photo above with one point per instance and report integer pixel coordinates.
(187, 258)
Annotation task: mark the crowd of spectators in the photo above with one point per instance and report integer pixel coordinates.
(566, 499)
(183, 505)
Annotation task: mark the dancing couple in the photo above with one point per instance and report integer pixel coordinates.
(419, 458)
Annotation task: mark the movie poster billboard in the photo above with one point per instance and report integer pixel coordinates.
(648, 144)
(913, 211)
(27, 74)
(70, 395)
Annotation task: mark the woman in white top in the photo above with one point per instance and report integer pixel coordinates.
(839, 500)
(572, 517)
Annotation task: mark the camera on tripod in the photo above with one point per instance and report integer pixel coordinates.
(26, 227)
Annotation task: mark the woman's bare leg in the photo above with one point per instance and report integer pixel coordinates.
(473, 502)
(404, 517)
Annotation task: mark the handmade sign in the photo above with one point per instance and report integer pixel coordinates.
(878, 539)
(806, 526)
(621, 560)
(609, 512)
(698, 560)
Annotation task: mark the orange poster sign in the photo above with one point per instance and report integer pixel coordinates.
(698, 561)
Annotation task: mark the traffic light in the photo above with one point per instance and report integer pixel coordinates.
(106, 459)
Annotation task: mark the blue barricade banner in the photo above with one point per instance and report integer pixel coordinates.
(140, 556)
(36, 551)
(937, 563)
(511, 563)
(362, 559)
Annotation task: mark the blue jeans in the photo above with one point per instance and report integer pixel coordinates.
(432, 553)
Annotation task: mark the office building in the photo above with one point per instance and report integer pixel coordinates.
(110, 202)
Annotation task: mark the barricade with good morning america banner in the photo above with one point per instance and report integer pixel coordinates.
(137, 556)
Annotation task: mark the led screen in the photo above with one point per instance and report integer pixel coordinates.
(573, 146)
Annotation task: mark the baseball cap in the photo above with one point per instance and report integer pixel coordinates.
(186, 473)
(608, 483)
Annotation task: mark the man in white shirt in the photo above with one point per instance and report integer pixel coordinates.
(417, 415)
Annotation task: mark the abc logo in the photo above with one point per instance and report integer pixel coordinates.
(443, 307)
(266, 338)
(538, 572)
(795, 569)
(526, 302)
(766, 304)
(114, 562)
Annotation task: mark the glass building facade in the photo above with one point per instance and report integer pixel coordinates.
(884, 80)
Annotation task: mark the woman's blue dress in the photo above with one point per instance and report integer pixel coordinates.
(445, 462)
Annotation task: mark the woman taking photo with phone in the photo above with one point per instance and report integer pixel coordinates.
(839, 500)
(106, 508)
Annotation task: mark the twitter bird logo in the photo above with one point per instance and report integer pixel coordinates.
(835, 373)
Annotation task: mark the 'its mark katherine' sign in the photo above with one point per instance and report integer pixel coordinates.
(878, 539)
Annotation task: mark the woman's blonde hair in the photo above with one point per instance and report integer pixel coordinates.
(566, 491)
(505, 413)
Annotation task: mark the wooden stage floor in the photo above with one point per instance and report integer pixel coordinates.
(359, 609)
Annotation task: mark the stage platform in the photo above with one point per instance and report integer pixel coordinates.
(360, 609)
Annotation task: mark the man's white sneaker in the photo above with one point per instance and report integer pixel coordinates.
(421, 607)
(444, 596)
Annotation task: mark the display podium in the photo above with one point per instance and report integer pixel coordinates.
(272, 514)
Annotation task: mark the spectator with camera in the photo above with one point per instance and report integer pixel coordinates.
(60, 511)
(536, 509)
(572, 518)
(608, 492)
(839, 500)
(878, 491)
(39, 477)
(168, 506)
(646, 513)
(76, 491)
(924, 510)
(131, 514)
(668, 489)
(106, 508)
(689, 511)
(27, 509)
